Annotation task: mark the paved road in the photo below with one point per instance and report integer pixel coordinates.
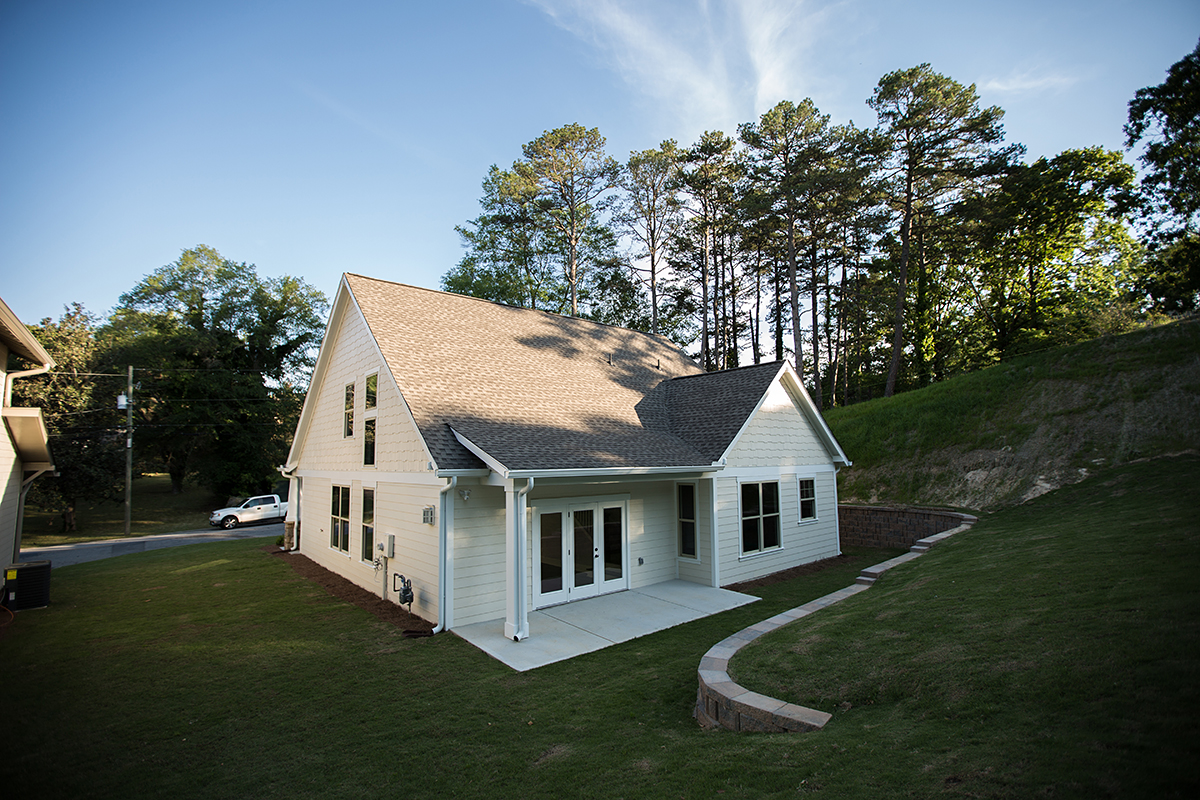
(67, 554)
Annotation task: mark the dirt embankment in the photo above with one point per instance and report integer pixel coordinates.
(1053, 432)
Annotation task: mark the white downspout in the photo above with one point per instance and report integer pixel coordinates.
(27, 373)
(444, 593)
(522, 538)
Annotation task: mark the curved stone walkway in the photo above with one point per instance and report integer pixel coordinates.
(722, 703)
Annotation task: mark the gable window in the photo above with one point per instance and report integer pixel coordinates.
(686, 493)
(760, 516)
(808, 499)
(369, 442)
(372, 391)
(348, 429)
(367, 542)
(339, 523)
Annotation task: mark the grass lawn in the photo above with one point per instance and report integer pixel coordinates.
(214, 671)
(154, 510)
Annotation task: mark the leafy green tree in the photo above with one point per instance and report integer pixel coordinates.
(792, 147)
(569, 176)
(941, 142)
(86, 432)
(218, 352)
(510, 256)
(1052, 249)
(653, 212)
(1167, 119)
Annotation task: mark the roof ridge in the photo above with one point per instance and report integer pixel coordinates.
(731, 369)
(656, 336)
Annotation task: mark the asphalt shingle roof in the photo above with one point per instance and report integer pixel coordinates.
(539, 391)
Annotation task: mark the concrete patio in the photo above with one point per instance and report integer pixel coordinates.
(561, 632)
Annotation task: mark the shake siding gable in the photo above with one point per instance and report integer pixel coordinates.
(353, 356)
(777, 435)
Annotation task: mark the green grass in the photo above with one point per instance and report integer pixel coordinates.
(154, 510)
(1110, 400)
(214, 671)
(1052, 651)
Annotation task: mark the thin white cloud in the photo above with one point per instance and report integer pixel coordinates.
(1028, 81)
(709, 64)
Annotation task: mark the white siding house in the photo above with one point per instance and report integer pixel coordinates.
(505, 459)
(24, 445)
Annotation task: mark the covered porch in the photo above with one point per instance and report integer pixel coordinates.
(565, 631)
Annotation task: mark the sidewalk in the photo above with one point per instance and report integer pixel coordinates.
(65, 555)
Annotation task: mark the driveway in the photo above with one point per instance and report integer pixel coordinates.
(64, 555)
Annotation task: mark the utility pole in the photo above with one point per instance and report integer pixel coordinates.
(128, 448)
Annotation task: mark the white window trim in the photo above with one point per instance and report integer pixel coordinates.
(800, 518)
(329, 543)
(742, 554)
(695, 522)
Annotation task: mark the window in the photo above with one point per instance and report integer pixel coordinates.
(339, 530)
(760, 516)
(368, 525)
(372, 390)
(687, 520)
(369, 442)
(808, 499)
(349, 428)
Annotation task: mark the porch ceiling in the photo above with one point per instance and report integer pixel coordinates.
(572, 629)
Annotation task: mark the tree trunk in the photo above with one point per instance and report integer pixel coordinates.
(901, 289)
(816, 349)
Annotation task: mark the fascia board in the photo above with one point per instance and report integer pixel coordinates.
(26, 345)
(613, 472)
(399, 389)
(492, 464)
(746, 422)
(336, 314)
(795, 387)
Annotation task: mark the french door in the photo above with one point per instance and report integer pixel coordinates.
(579, 550)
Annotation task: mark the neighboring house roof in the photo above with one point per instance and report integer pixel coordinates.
(18, 338)
(519, 390)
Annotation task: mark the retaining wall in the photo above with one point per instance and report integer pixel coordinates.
(891, 526)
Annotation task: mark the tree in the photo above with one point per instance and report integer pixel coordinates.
(792, 148)
(1039, 261)
(220, 353)
(942, 141)
(510, 256)
(86, 433)
(1167, 117)
(568, 173)
(653, 213)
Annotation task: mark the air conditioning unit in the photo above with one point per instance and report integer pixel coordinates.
(27, 585)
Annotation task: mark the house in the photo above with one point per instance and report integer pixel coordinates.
(504, 460)
(24, 447)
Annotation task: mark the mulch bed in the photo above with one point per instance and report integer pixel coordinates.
(343, 589)
(787, 574)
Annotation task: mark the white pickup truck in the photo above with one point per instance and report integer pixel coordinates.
(264, 508)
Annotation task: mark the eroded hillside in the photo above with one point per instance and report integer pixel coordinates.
(1016, 430)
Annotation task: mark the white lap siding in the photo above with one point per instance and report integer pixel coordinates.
(778, 445)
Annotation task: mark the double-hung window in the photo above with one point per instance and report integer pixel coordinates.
(760, 516)
(339, 530)
(808, 500)
(687, 520)
(367, 542)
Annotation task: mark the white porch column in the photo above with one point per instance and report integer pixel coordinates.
(516, 616)
(714, 532)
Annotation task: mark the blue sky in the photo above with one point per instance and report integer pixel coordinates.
(313, 138)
